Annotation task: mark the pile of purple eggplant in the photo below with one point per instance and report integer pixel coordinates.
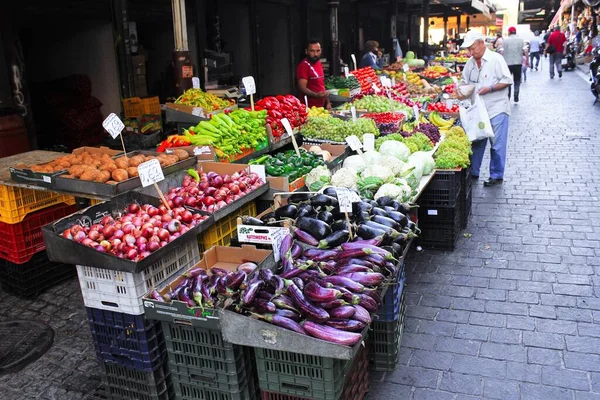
(317, 221)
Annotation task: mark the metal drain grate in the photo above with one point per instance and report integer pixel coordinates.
(22, 343)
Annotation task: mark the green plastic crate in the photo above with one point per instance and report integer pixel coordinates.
(300, 375)
(385, 341)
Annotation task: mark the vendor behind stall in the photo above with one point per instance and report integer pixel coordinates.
(310, 76)
(373, 57)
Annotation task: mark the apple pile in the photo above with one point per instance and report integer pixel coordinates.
(211, 191)
(138, 232)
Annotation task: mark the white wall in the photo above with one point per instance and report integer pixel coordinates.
(77, 48)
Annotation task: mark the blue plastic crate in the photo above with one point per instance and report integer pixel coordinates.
(125, 339)
(389, 310)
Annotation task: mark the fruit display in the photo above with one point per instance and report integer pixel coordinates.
(340, 82)
(206, 101)
(113, 171)
(279, 107)
(424, 88)
(318, 112)
(337, 130)
(442, 107)
(387, 122)
(414, 79)
(136, 233)
(434, 72)
(450, 89)
(289, 164)
(211, 191)
(461, 57)
(230, 134)
(374, 104)
(366, 78)
(412, 61)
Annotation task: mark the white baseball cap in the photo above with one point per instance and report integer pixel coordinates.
(471, 37)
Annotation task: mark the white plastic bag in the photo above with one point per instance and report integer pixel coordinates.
(475, 120)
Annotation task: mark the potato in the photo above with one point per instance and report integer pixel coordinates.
(132, 172)
(110, 167)
(103, 176)
(181, 154)
(122, 163)
(89, 175)
(76, 170)
(112, 182)
(37, 168)
(120, 175)
(136, 160)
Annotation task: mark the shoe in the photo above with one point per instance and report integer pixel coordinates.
(560, 74)
(516, 98)
(492, 182)
(474, 177)
(551, 77)
(536, 68)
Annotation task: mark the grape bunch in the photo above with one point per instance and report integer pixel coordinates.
(337, 130)
(429, 130)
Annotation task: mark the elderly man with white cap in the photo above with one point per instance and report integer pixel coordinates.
(488, 71)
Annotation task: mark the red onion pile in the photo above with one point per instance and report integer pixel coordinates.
(138, 232)
(213, 191)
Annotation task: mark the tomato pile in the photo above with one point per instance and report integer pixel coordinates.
(387, 122)
(450, 89)
(441, 107)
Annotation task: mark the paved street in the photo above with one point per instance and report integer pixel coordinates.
(513, 313)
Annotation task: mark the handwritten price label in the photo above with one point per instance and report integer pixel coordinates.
(354, 143)
(113, 125)
(196, 82)
(276, 240)
(249, 84)
(376, 88)
(150, 172)
(345, 198)
(368, 142)
(346, 72)
(353, 112)
(416, 112)
(405, 67)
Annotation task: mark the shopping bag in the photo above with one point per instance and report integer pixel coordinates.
(475, 120)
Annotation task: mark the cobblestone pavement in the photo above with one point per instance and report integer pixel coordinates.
(514, 311)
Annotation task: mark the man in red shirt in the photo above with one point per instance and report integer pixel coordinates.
(556, 42)
(311, 80)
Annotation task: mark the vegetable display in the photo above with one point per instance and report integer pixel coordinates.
(454, 151)
(207, 101)
(232, 133)
(289, 164)
(337, 130)
(138, 232)
(377, 104)
(387, 122)
(211, 191)
(279, 107)
(339, 82)
(366, 77)
(415, 142)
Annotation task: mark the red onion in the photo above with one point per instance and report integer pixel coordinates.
(142, 247)
(143, 255)
(187, 216)
(137, 221)
(87, 241)
(191, 201)
(93, 234)
(208, 201)
(211, 175)
(107, 220)
(140, 241)
(106, 245)
(80, 236)
(109, 231)
(147, 232)
(118, 234)
(128, 227)
(134, 208)
(129, 239)
(163, 234)
(132, 254)
(153, 211)
(210, 191)
(178, 201)
(67, 234)
(174, 226)
(100, 249)
(163, 243)
(153, 246)
(136, 233)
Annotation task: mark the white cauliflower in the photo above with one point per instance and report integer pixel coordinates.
(378, 171)
(397, 192)
(317, 178)
(355, 162)
(392, 163)
(345, 177)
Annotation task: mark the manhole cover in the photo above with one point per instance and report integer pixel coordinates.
(22, 343)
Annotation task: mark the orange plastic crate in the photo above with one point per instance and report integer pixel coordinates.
(135, 107)
(221, 233)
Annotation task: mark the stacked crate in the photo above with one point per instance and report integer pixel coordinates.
(131, 350)
(441, 212)
(25, 269)
(466, 196)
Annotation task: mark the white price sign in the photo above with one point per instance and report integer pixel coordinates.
(353, 112)
(393, 81)
(249, 84)
(345, 198)
(288, 127)
(150, 172)
(416, 112)
(276, 239)
(354, 143)
(113, 125)
(196, 82)
(368, 142)
(346, 72)
(198, 112)
(375, 88)
(405, 68)
(201, 150)
(449, 104)
(354, 60)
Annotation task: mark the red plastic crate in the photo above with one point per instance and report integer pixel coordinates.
(20, 241)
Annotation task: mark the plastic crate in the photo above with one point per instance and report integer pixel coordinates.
(34, 277)
(385, 340)
(127, 340)
(135, 107)
(389, 310)
(300, 375)
(443, 190)
(20, 241)
(440, 227)
(466, 211)
(221, 233)
(122, 383)
(17, 202)
(123, 291)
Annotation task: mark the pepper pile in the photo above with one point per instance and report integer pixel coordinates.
(441, 107)
(279, 107)
(230, 133)
(339, 82)
(387, 122)
(207, 101)
(289, 164)
(173, 141)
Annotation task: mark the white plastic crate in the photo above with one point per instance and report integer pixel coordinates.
(123, 291)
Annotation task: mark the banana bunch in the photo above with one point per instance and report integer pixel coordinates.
(318, 112)
(440, 122)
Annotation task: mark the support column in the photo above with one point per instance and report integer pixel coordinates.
(468, 21)
(425, 27)
(445, 28)
(335, 40)
(458, 24)
(201, 33)
(393, 29)
(182, 60)
(123, 49)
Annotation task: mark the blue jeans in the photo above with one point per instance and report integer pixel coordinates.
(497, 150)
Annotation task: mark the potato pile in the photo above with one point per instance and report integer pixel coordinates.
(102, 168)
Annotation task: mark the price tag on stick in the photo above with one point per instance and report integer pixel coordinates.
(115, 126)
(346, 72)
(250, 87)
(354, 61)
(306, 102)
(354, 143)
(150, 173)
(276, 240)
(196, 82)
(368, 142)
(345, 199)
(353, 112)
(416, 112)
(288, 127)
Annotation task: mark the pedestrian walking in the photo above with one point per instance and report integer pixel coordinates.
(525, 64)
(556, 49)
(534, 51)
(513, 54)
(499, 43)
(489, 73)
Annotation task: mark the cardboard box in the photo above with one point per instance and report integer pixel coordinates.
(283, 183)
(144, 124)
(225, 257)
(197, 111)
(203, 153)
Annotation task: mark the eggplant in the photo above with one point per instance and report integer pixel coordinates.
(389, 222)
(249, 294)
(322, 200)
(366, 278)
(218, 271)
(384, 201)
(288, 211)
(368, 232)
(399, 218)
(294, 271)
(283, 302)
(334, 304)
(361, 217)
(311, 275)
(311, 311)
(234, 280)
(395, 205)
(304, 236)
(321, 254)
(390, 231)
(361, 206)
(330, 191)
(340, 225)
(285, 246)
(331, 334)
(212, 283)
(315, 227)
(334, 240)
(299, 197)
(184, 296)
(207, 297)
(194, 272)
(278, 283)
(155, 295)
(299, 282)
(296, 251)
(222, 288)
(247, 220)
(263, 294)
(368, 303)
(281, 321)
(265, 275)
(288, 314)
(305, 210)
(175, 292)
(328, 267)
(267, 217)
(368, 248)
(378, 211)
(348, 269)
(342, 312)
(374, 294)
(361, 314)
(351, 325)
(326, 217)
(376, 259)
(263, 305)
(318, 294)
